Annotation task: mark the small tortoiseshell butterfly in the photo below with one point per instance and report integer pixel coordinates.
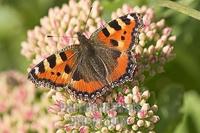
(96, 65)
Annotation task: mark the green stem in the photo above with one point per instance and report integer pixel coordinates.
(180, 8)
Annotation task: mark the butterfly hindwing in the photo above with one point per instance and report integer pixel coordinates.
(88, 79)
(55, 70)
(124, 69)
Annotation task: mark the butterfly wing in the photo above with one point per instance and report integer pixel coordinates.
(120, 65)
(121, 33)
(55, 70)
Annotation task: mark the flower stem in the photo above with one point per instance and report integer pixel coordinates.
(180, 8)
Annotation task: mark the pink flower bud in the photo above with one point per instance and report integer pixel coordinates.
(172, 38)
(120, 99)
(84, 129)
(118, 127)
(128, 99)
(155, 119)
(150, 13)
(112, 113)
(146, 94)
(154, 108)
(96, 115)
(104, 130)
(150, 34)
(145, 107)
(161, 23)
(29, 114)
(159, 44)
(130, 120)
(167, 31)
(68, 128)
(167, 49)
(140, 123)
(151, 49)
(142, 114)
(132, 112)
(135, 127)
(138, 49)
(142, 36)
(147, 123)
(146, 20)
(136, 94)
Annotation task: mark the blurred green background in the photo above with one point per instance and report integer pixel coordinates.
(176, 91)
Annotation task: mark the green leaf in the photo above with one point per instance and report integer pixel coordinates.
(180, 8)
(191, 110)
(10, 21)
(170, 101)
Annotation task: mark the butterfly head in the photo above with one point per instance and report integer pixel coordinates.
(86, 44)
(82, 38)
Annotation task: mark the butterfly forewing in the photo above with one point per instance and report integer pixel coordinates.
(120, 33)
(55, 70)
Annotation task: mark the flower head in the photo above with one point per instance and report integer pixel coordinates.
(21, 111)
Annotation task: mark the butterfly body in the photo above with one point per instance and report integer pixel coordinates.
(97, 64)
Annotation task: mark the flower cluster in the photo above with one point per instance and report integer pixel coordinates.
(126, 108)
(19, 109)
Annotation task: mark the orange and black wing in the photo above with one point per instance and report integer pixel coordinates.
(121, 33)
(55, 70)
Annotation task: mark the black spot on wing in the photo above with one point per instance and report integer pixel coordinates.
(76, 76)
(58, 74)
(134, 15)
(67, 69)
(32, 75)
(113, 42)
(126, 20)
(106, 32)
(114, 24)
(52, 61)
(32, 72)
(41, 67)
(63, 56)
(122, 38)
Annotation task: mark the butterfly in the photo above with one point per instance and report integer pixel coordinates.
(99, 63)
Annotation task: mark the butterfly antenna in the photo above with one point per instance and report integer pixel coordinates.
(62, 39)
(52, 36)
(49, 36)
(87, 18)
